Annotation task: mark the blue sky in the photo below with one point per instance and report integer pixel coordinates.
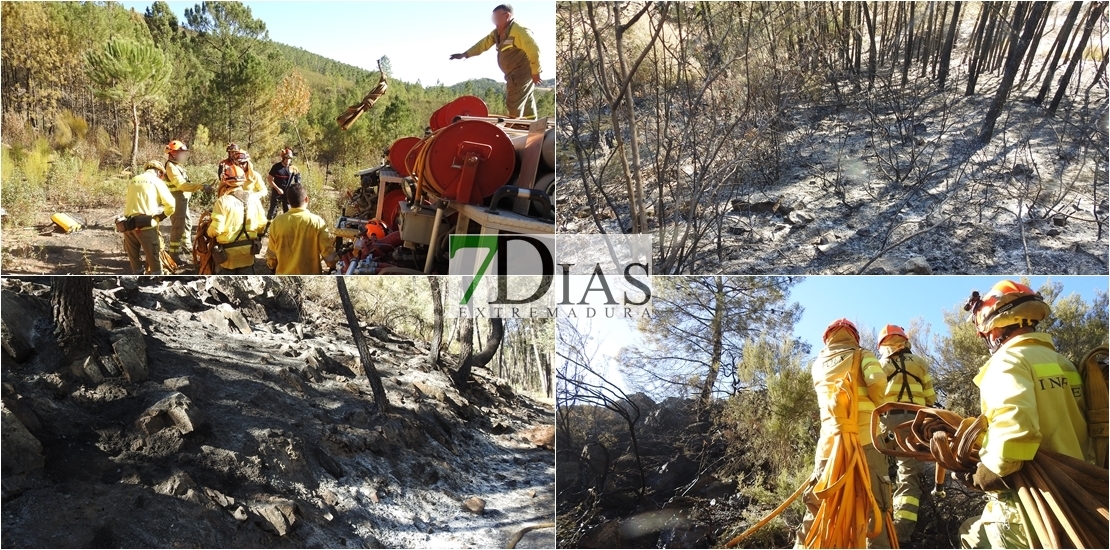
(417, 37)
(873, 301)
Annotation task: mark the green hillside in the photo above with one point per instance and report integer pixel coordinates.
(217, 78)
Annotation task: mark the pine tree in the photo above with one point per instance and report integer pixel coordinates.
(132, 74)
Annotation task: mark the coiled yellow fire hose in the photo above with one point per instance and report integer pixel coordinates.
(848, 514)
(1063, 497)
(848, 508)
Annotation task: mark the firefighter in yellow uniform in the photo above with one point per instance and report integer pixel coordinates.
(1033, 399)
(833, 364)
(518, 56)
(255, 184)
(907, 381)
(148, 202)
(181, 226)
(237, 218)
(299, 239)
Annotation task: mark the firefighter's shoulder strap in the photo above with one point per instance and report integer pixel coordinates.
(1095, 394)
(242, 197)
(898, 361)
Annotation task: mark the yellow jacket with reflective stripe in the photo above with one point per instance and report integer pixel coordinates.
(917, 390)
(1033, 399)
(517, 53)
(145, 192)
(298, 240)
(227, 225)
(255, 185)
(178, 180)
(833, 364)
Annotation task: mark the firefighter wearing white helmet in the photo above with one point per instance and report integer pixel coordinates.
(177, 180)
(907, 381)
(1032, 398)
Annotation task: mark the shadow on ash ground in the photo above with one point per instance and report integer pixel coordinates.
(252, 429)
(832, 209)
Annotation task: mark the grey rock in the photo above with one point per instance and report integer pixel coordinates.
(329, 464)
(276, 514)
(221, 500)
(174, 410)
(181, 384)
(178, 484)
(917, 266)
(14, 345)
(88, 369)
(130, 347)
(21, 451)
(799, 217)
(1052, 232)
(215, 318)
(474, 505)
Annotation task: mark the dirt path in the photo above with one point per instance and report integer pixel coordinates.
(45, 249)
(284, 446)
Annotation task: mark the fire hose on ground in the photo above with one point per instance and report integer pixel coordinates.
(1063, 497)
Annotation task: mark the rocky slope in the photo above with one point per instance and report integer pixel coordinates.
(217, 418)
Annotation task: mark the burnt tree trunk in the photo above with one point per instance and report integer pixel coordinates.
(467, 358)
(363, 351)
(437, 320)
(949, 44)
(1092, 17)
(908, 57)
(1013, 65)
(1057, 50)
(871, 46)
(1033, 47)
(71, 302)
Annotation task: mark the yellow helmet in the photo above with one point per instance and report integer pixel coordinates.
(154, 165)
(1007, 304)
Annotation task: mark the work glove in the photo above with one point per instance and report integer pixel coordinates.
(986, 480)
(209, 188)
(458, 56)
(982, 479)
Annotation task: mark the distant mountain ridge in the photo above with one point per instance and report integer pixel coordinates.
(316, 63)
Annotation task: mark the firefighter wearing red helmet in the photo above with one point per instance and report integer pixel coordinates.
(1032, 398)
(841, 357)
(907, 381)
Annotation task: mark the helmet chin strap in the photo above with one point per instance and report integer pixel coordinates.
(1006, 334)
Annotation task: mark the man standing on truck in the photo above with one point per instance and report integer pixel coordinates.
(519, 58)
